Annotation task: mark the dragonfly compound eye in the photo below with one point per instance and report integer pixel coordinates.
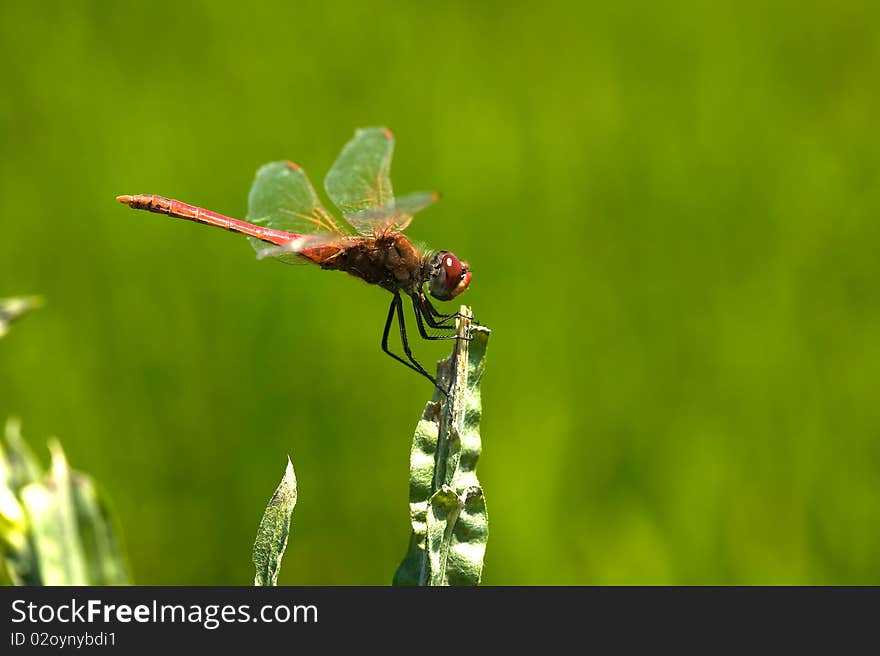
(451, 276)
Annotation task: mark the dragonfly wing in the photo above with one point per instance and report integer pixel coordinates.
(301, 250)
(406, 207)
(413, 203)
(282, 198)
(397, 215)
(359, 182)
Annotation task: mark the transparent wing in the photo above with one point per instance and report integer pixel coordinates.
(397, 215)
(359, 180)
(413, 203)
(305, 249)
(282, 198)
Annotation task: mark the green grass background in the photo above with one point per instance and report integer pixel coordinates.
(671, 212)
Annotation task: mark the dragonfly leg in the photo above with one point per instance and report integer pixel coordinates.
(406, 349)
(423, 309)
(396, 308)
(431, 314)
(431, 311)
(419, 311)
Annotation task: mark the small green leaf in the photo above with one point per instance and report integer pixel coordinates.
(20, 465)
(53, 524)
(64, 534)
(13, 308)
(13, 522)
(18, 468)
(447, 509)
(457, 529)
(97, 531)
(274, 528)
(413, 570)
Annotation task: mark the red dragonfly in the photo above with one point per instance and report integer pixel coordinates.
(287, 221)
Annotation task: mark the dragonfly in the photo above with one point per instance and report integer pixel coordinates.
(286, 221)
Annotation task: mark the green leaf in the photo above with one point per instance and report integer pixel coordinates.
(55, 527)
(447, 508)
(457, 529)
(274, 528)
(53, 524)
(18, 464)
(18, 468)
(15, 307)
(98, 532)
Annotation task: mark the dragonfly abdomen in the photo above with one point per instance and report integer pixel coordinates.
(180, 210)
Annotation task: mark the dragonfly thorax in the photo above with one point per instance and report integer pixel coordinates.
(390, 261)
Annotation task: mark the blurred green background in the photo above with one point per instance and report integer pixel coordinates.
(671, 211)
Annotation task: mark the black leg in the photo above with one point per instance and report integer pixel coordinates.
(397, 306)
(391, 312)
(419, 312)
(430, 311)
(431, 314)
(403, 339)
(423, 309)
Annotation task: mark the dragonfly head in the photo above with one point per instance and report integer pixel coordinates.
(449, 276)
